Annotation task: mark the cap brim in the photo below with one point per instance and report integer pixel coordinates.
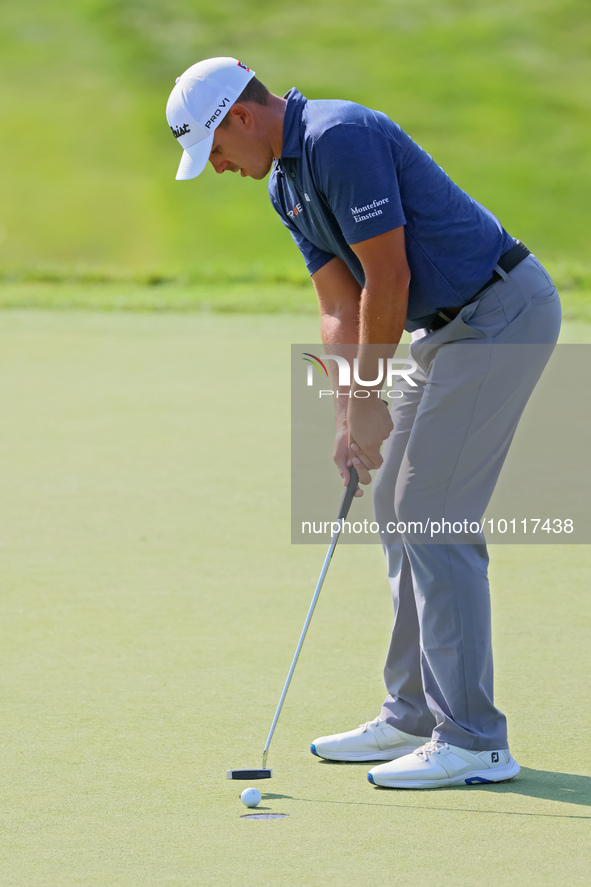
(194, 159)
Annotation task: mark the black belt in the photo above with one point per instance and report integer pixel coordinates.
(507, 262)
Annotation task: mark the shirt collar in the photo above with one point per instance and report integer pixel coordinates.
(292, 138)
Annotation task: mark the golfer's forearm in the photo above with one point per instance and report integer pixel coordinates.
(382, 315)
(342, 328)
(340, 334)
(383, 301)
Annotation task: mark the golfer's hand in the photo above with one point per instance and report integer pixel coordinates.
(341, 455)
(369, 425)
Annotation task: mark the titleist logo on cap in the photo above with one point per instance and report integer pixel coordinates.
(180, 131)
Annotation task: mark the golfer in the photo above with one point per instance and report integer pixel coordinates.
(391, 243)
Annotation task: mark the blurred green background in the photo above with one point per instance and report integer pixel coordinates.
(498, 93)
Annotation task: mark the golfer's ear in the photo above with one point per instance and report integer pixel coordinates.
(241, 113)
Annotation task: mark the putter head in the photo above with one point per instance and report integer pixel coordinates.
(249, 774)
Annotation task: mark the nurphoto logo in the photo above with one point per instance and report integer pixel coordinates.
(389, 369)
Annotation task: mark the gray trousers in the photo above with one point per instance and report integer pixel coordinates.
(450, 439)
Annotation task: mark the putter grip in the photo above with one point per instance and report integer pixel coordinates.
(352, 486)
(349, 493)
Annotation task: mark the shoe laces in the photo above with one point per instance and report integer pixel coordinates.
(430, 748)
(375, 721)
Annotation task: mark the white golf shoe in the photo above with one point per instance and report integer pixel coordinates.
(438, 764)
(374, 741)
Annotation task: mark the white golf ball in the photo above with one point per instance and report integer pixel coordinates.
(250, 797)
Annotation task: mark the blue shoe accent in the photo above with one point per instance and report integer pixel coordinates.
(475, 780)
(313, 750)
(370, 778)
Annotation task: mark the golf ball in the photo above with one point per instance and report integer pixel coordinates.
(250, 797)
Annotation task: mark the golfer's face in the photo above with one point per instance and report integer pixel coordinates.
(238, 150)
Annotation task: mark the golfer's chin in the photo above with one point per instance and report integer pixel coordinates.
(256, 174)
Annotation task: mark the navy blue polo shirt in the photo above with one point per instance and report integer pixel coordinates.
(348, 173)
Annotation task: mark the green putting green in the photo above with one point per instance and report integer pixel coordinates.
(151, 603)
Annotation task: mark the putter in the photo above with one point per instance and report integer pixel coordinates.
(265, 773)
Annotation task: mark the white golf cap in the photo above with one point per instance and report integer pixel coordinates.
(202, 97)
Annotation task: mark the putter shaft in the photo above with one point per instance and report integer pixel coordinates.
(344, 510)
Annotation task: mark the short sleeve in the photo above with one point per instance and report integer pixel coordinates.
(356, 166)
(314, 257)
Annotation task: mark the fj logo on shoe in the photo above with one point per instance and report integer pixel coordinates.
(495, 757)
